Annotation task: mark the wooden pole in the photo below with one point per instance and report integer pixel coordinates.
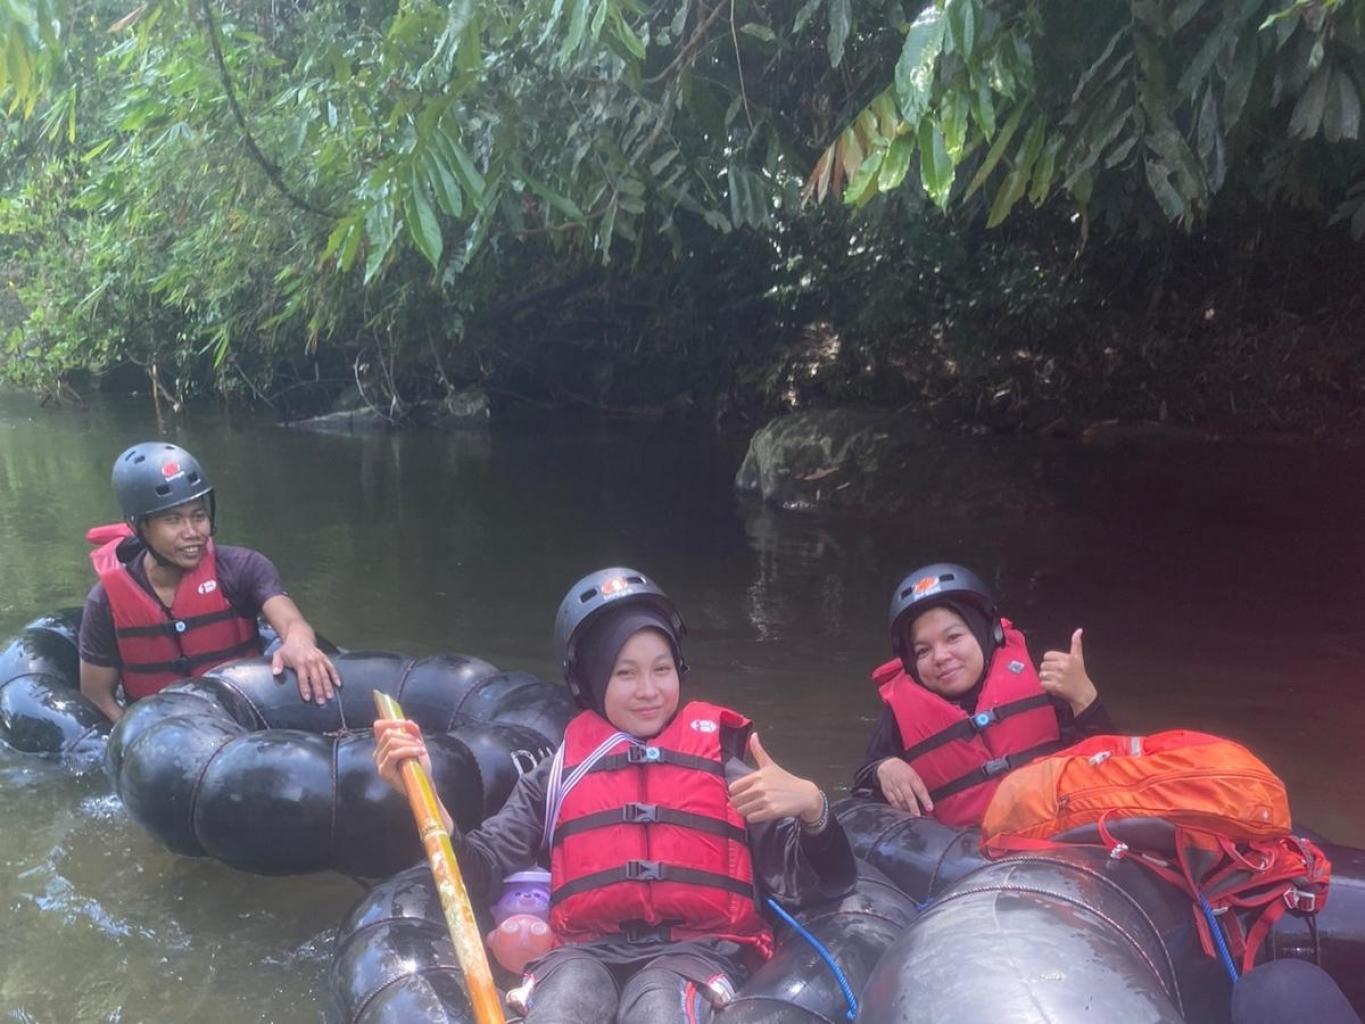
(464, 930)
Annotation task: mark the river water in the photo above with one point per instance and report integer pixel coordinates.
(1219, 585)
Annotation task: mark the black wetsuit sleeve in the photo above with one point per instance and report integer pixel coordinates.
(793, 864)
(884, 742)
(1093, 721)
(507, 842)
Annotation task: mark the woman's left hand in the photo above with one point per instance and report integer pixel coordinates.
(1062, 674)
(770, 791)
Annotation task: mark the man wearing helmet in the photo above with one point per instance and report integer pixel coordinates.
(661, 840)
(963, 702)
(169, 602)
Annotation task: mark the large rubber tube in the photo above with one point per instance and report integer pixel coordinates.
(796, 986)
(233, 765)
(1070, 935)
(1334, 938)
(393, 962)
(42, 710)
(1034, 940)
(920, 855)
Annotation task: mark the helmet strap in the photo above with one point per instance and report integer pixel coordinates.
(136, 523)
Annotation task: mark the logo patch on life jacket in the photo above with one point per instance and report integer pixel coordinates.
(207, 587)
(171, 470)
(926, 586)
(1016, 667)
(704, 725)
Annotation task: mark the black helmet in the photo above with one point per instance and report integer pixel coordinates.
(593, 594)
(154, 476)
(942, 583)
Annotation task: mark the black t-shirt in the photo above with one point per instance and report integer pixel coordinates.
(247, 577)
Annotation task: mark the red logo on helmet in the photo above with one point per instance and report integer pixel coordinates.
(170, 469)
(926, 585)
(613, 586)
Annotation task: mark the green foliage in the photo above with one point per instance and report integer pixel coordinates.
(239, 196)
(1136, 112)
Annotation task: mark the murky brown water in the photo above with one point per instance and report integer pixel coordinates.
(1219, 586)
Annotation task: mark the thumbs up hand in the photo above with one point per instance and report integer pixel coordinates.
(770, 791)
(1062, 674)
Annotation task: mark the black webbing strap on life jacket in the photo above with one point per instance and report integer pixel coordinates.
(649, 814)
(637, 756)
(993, 768)
(974, 725)
(651, 871)
(173, 627)
(186, 663)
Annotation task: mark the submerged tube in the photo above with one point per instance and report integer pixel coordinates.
(233, 765)
(42, 709)
(394, 964)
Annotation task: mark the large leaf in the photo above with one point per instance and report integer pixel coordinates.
(954, 118)
(860, 188)
(1341, 110)
(896, 163)
(915, 68)
(421, 220)
(1307, 117)
(935, 167)
(1007, 195)
(442, 182)
(840, 21)
(996, 151)
(962, 26)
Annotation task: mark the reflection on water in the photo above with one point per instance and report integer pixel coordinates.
(1218, 587)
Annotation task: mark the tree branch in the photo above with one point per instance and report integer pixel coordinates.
(272, 172)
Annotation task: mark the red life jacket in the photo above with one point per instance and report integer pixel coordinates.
(646, 844)
(160, 645)
(962, 757)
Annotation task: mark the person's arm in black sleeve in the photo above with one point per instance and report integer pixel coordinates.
(1093, 721)
(507, 842)
(795, 862)
(884, 742)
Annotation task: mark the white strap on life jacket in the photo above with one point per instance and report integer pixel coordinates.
(558, 787)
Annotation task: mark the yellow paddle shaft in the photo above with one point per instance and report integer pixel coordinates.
(464, 930)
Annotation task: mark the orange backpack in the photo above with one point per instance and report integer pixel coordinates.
(1222, 826)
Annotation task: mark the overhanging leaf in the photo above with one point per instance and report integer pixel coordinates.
(918, 58)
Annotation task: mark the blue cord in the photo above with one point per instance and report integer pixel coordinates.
(824, 955)
(1218, 939)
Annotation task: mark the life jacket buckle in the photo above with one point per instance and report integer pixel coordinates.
(182, 665)
(640, 931)
(996, 766)
(644, 871)
(640, 814)
(643, 755)
(984, 719)
(1302, 901)
(180, 626)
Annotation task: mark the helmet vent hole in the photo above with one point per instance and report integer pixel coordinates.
(193, 478)
(947, 576)
(163, 489)
(587, 595)
(139, 458)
